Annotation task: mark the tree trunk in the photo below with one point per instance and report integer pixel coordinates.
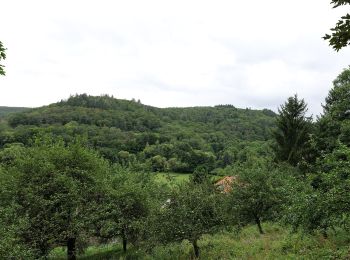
(71, 249)
(324, 233)
(195, 248)
(257, 220)
(124, 240)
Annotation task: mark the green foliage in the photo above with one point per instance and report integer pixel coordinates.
(333, 125)
(158, 163)
(293, 130)
(191, 211)
(54, 188)
(260, 192)
(340, 36)
(125, 209)
(325, 203)
(11, 246)
(139, 136)
(200, 175)
(2, 57)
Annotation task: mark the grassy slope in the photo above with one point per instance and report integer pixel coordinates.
(277, 243)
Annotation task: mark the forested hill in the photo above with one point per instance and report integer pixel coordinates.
(176, 139)
(8, 110)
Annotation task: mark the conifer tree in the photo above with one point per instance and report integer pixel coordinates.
(293, 131)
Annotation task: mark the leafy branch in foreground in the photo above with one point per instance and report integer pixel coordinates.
(340, 36)
(2, 57)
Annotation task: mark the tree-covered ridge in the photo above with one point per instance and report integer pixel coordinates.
(164, 139)
(134, 116)
(89, 110)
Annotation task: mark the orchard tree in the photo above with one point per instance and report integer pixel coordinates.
(340, 36)
(293, 131)
(55, 187)
(2, 57)
(125, 210)
(191, 211)
(260, 192)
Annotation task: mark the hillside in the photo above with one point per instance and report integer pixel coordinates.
(163, 139)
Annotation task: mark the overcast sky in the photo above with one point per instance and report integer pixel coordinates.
(170, 53)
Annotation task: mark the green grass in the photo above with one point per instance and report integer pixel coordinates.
(277, 243)
(103, 252)
(172, 177)
(177, 178)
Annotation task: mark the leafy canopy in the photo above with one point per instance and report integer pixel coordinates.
(334, 124)
(54, 190)
(191, 211)
(260, 191)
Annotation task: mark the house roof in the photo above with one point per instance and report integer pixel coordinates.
(225, 183)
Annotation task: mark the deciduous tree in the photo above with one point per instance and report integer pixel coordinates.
(191, 211)
(260, 192)
(55, 187)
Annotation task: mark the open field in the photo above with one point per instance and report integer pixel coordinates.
(178, 178)
(172, 177)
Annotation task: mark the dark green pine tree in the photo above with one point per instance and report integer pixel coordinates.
(293, 131)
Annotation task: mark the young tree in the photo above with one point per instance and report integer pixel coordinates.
(293, 131)
(2, 57)
(340, 36)
(191, 211)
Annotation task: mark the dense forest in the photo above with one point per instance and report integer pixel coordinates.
(130, 133)
(84, 174)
